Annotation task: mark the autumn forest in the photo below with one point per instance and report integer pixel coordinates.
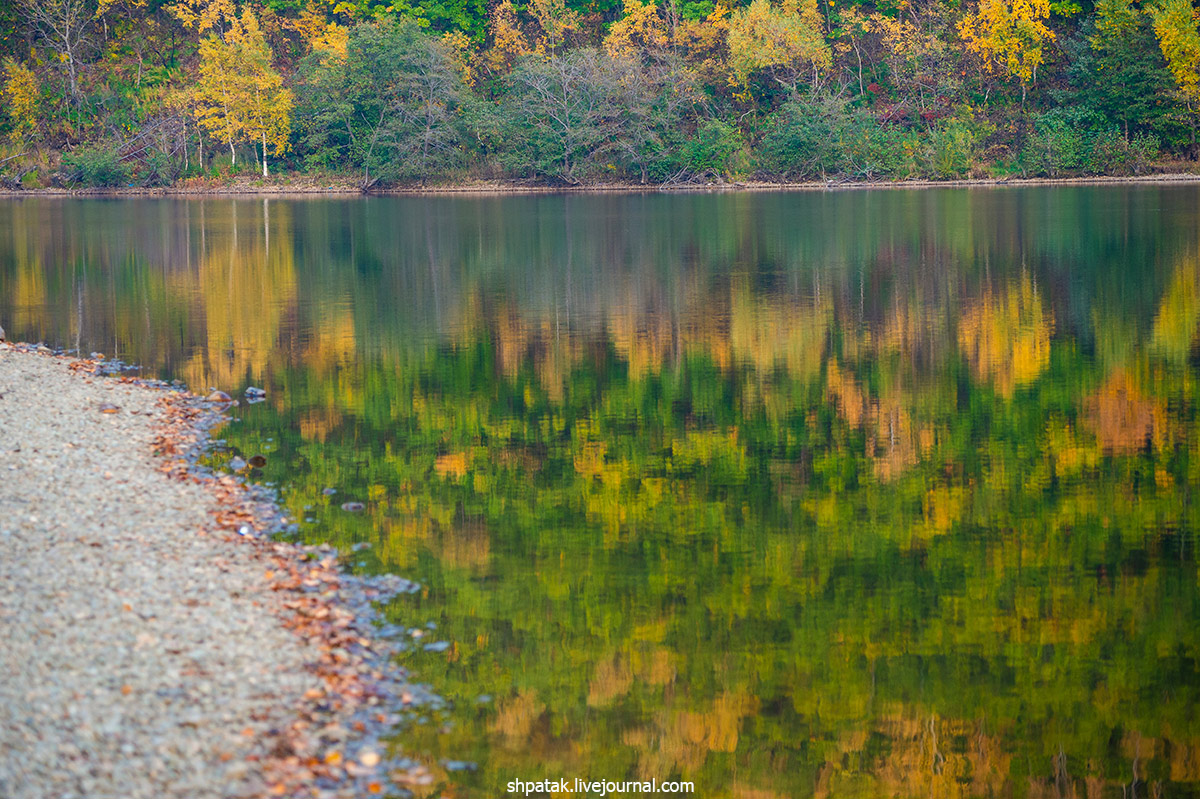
(379, 93)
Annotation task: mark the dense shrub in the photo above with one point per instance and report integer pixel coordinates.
(157, 169)
(824, 136)
(1069, 141)
(799, 140)
(99, 167)
(951, 148)
(873, 150)
(712, 149)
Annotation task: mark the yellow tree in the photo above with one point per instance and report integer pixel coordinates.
(1175, 26)
(205, 15)
(1009, 35)
(556, 21)
(508, 41)
(21, 96)
(459, 46)
(704, 45)
(640, 29)
(921, 63)
(785, 39)
(239, 95)
(323, 36)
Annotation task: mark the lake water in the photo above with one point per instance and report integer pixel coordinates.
(847, 494)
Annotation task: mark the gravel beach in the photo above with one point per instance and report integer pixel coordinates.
(142, 651)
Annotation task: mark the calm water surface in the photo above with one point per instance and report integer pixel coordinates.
(828, 494)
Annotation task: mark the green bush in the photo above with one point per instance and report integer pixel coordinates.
(950, 149)
(824, 136)
(1060, 141)
(157, 169)
(98, 166)
(799, 140)
(712, 149)
(875, 151)
(1069, 141)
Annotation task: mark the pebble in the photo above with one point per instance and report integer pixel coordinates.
(135, 651)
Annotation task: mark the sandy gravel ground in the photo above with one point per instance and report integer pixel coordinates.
(139, 652)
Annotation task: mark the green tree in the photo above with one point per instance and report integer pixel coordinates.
(1118, 69)
(1175, 26)
(560, 118)
(392, 108)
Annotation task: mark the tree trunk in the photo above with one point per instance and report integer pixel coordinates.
(264, 153)
(858, 55)
(232, 154)
(71, 74)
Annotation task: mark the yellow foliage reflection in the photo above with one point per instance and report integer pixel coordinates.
(1178, 317)
(1005, 337)
(247, 283)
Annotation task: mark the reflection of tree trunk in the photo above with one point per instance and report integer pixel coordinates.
(937, 759)
(1062, 779)
(433, 271)
(78, 311)
(1137, 756)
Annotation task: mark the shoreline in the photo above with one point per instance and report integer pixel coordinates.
(507, 188)
(219, 661)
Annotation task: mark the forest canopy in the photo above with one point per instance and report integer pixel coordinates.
(569, 92)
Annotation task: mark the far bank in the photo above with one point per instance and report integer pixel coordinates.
(285, 186)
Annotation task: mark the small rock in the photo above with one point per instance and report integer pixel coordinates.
(251, 391)
(369, 759)
(218, 396)
(329, 492)
(108, 408)
(258, 461)
(237, 464)
(353, 507)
